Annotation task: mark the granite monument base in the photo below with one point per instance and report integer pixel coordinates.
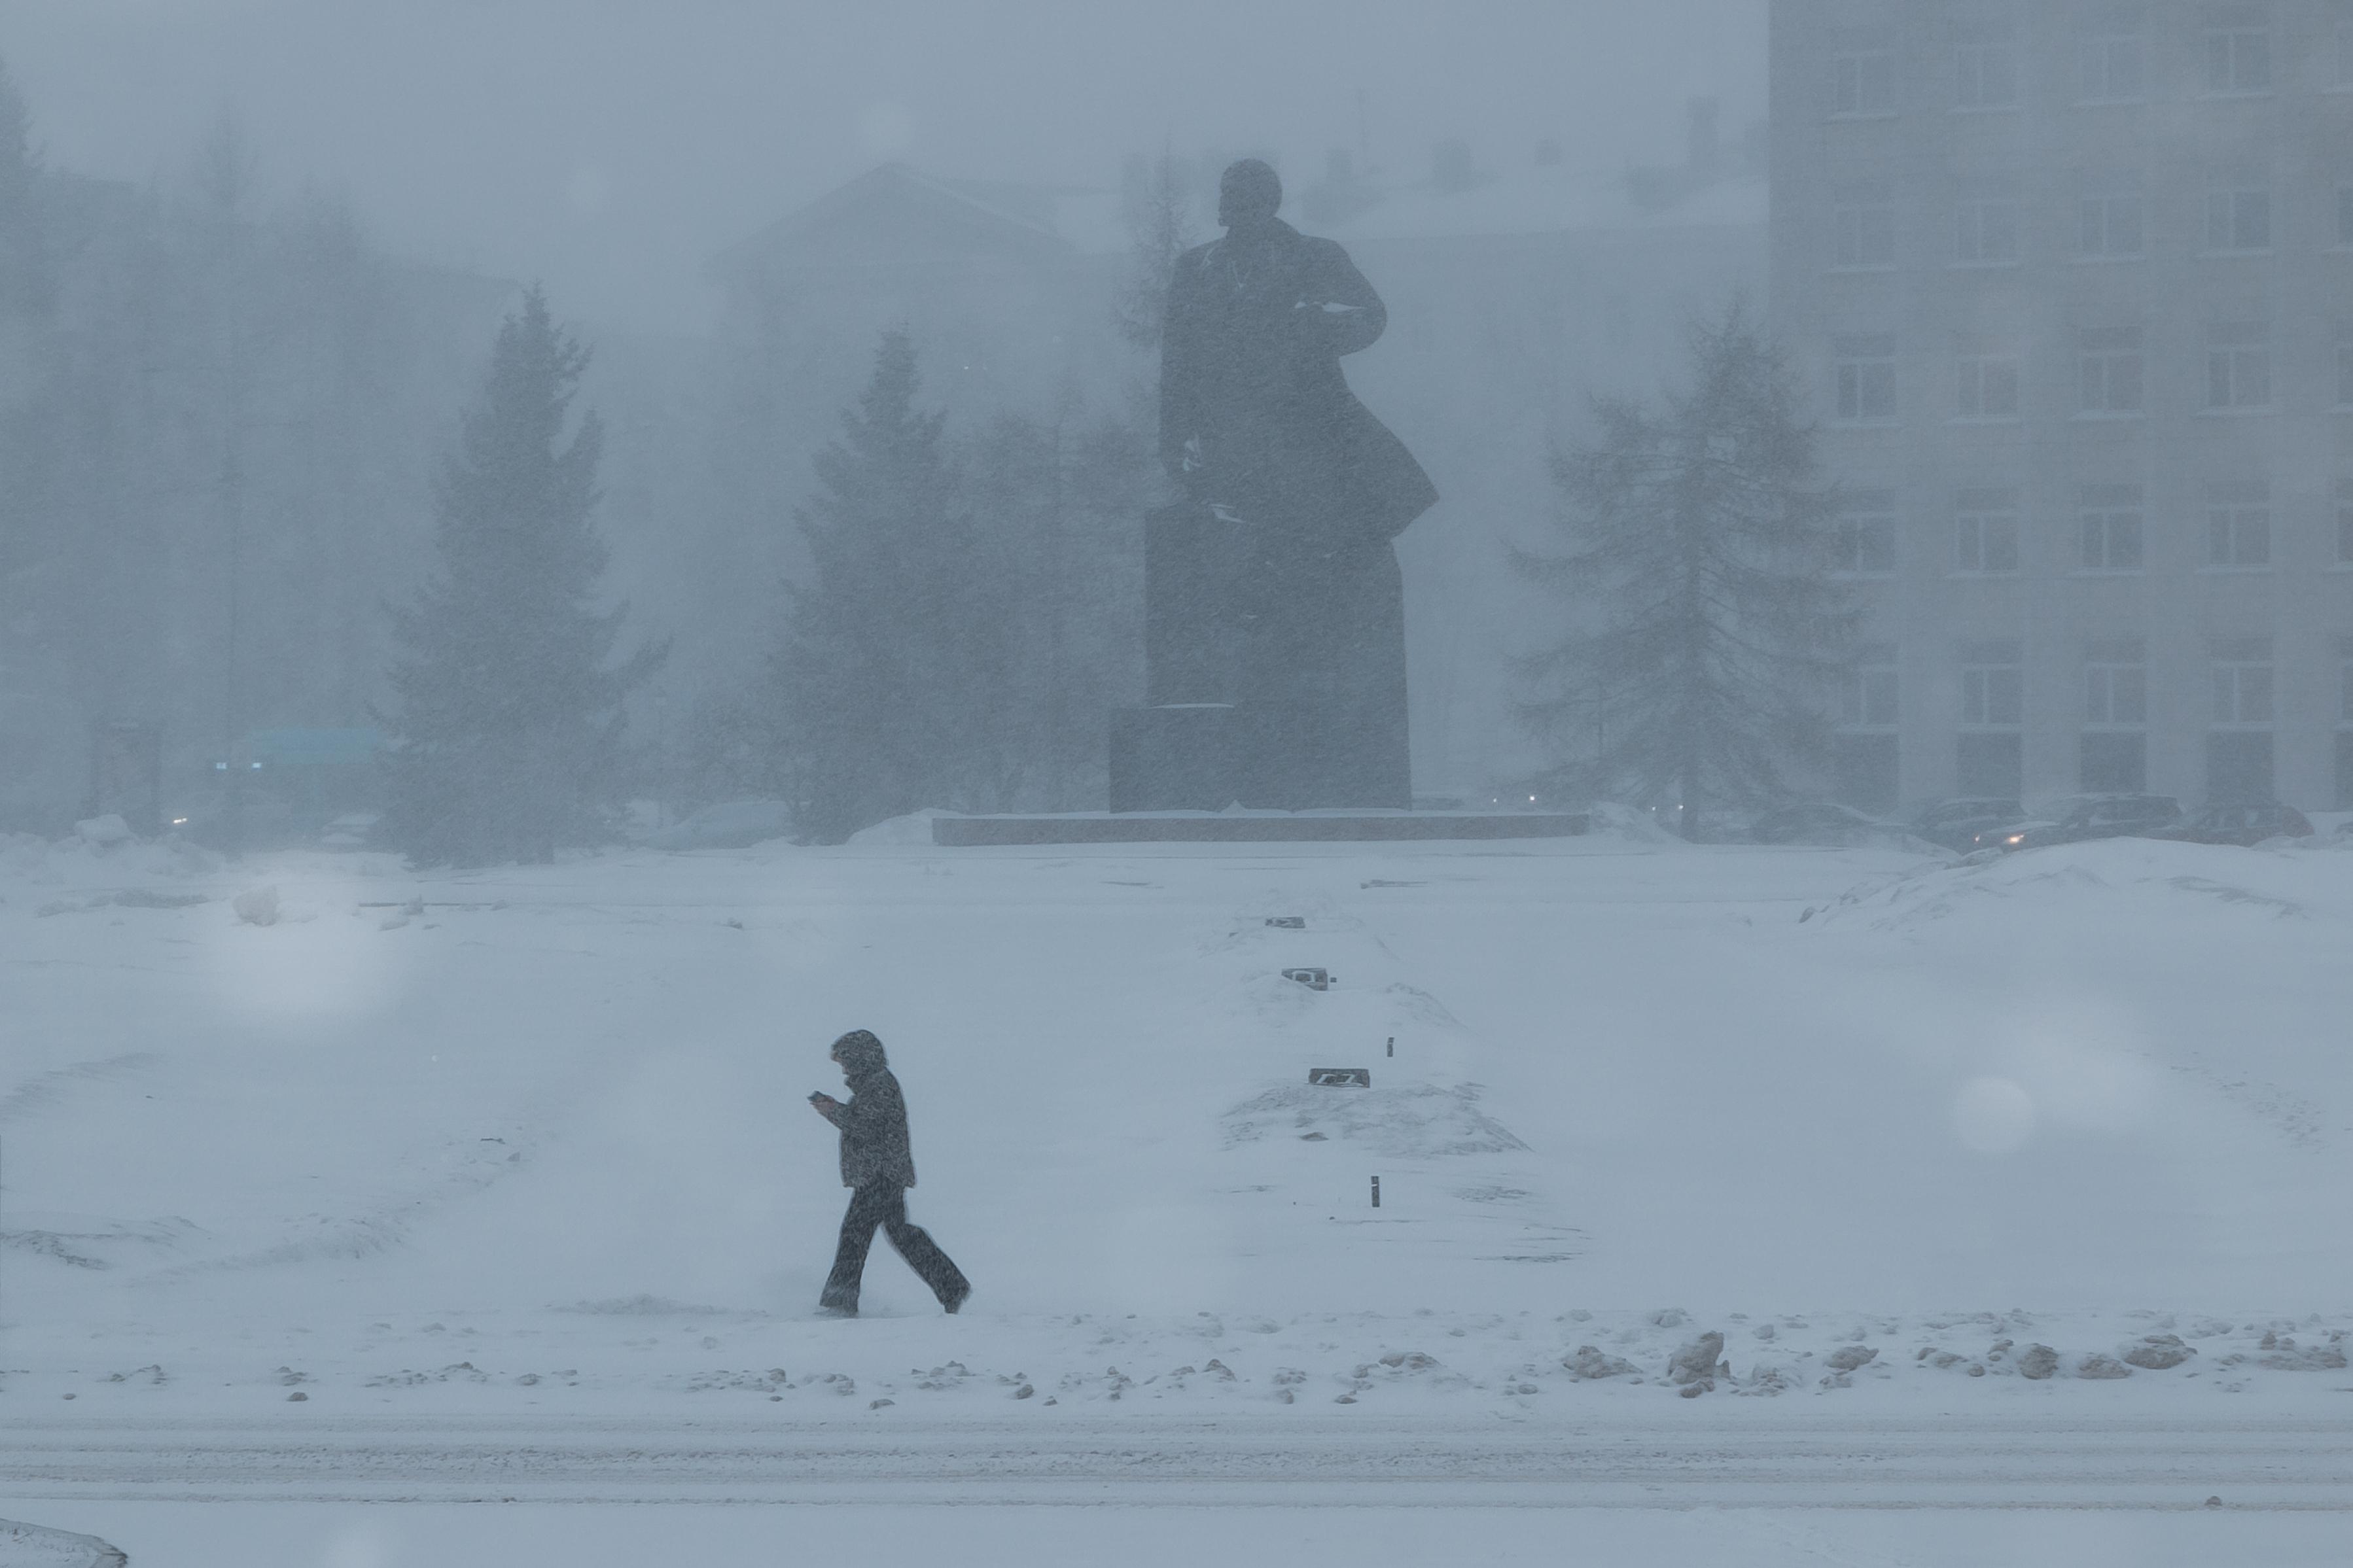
(1257, 828)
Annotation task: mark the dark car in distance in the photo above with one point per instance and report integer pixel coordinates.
(2244, 822)
(2077, 818)
(1954, 824)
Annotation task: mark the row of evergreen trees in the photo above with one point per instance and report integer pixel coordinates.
(950, 642)
(957, 638)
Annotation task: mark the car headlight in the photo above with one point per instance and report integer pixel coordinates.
(2015, 839)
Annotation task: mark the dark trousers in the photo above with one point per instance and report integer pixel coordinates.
(885, 1205)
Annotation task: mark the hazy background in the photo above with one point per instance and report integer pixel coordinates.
(610, 149)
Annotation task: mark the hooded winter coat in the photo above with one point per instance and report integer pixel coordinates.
(875, 1151)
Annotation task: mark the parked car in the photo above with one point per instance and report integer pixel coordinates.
(1954, 824)
(1821, 822)
(731, 825)
(2076, 818)
(2244, 822)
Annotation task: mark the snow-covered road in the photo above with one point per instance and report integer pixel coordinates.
(1717, 1462)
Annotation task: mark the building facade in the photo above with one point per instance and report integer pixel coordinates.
(2071, 281)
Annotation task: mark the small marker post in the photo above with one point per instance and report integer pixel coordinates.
(1377, 1192)
(1392, 1045)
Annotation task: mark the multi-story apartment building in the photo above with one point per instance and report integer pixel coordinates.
(2072, 280)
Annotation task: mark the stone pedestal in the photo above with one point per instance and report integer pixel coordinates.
(1175, 757)
(1274, 672)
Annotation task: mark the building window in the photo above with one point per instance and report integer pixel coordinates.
(1985, 531)
(1863, 752)
(1988, 75)
(2239, 747)
(1862, 84)
(2239, 55)
(2112, 226)
(2109, 363)
(2237, 365)
(1863, 540)
(2238, 524)
(1989, 753)
(1993, 691)
(2238, 218)
(1987, 231)
(1988, 384)
(2243, 682)
(2109, 526)
(1862, 219)
(2111, 68)
(2114, 754)
(1869, 700)
(1865, 378)
(2116, 691)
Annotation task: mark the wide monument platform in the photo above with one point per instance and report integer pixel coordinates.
(1256, 826)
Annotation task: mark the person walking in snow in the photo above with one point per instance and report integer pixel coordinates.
(878, 1167)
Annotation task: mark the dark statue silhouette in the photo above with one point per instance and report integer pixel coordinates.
(1274, 641)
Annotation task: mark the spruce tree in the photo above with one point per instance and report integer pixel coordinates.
(1707, 632)
(510, 700)
(896, 656)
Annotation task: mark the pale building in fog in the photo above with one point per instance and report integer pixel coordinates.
(2073, 283)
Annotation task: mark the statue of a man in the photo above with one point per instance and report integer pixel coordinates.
(1258, 428)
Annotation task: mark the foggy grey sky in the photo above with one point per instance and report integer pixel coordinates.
(610, 148)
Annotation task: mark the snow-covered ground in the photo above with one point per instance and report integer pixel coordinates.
(2006, 1185)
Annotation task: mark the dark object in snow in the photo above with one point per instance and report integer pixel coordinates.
(878, 1163)
(2079, 818)
(1849, 1358)
(2036, 1363)
(1392, 1051)
(1287, 923)
(1590, 1364)
(1313, 979)
(2244, 822)
(1954, 824)
(1695, 1366)
(1341, 1078)
(2159, 1352)
(57, 1546)
(1377, 1192)
(1273, 586)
